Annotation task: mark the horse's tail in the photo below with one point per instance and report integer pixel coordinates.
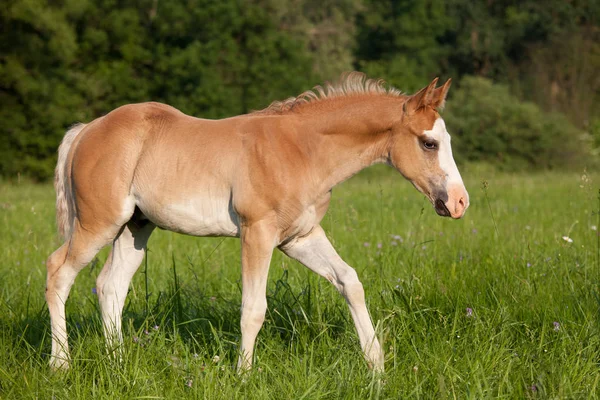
(65, 213)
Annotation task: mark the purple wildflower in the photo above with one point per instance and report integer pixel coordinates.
(94, 291)
(556, 326)
(189, 383)
(533, 388)
(136, 339)
(379, 245)
(469, 312)
(155, 327)
(528, 265)
(366, 244)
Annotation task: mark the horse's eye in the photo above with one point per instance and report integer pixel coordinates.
(430, 145)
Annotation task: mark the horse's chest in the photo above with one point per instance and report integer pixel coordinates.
(305, 219)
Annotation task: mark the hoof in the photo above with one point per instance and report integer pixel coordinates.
(59, 364)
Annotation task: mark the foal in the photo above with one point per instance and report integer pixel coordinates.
(265, 177)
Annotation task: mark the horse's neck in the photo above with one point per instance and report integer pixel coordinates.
(352, 135)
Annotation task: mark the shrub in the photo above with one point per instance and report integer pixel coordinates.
(492, 125)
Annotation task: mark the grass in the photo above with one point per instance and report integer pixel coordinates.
(477, 308)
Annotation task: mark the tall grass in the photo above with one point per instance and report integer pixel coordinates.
(465, 309)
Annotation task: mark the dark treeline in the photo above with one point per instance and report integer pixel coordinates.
(525, 72)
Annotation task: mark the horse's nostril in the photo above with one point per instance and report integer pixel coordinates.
(462, 202)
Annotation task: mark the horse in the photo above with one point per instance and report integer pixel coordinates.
(265, 177)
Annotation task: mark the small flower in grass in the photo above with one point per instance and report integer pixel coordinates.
(533, 388)
(415, 368)
(528, 265)
(189, 383)
(594, 227)
(146, 332)
(469, 312)
(136, 339)
(394, 243)
(474, 231)
(366, 244)
(567, 239)
(556, 326)
(379, 245)
(195, 355)
(94, 291)
(216, 359)
(156, 327)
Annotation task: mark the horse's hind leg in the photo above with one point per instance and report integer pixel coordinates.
(112, 284)
(63, 266)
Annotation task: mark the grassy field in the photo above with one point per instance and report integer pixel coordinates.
(498, 304)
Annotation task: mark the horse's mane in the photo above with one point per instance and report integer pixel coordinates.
(352, 83)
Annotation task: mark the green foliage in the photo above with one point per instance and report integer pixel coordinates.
(517, 281)
(492, 125)
(400, 40)
(66, 61)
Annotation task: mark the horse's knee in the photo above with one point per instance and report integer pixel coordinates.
(253, 316)
(349, 284)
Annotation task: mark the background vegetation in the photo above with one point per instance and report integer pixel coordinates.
(65, 61)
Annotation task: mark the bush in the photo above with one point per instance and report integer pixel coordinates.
(494, 126)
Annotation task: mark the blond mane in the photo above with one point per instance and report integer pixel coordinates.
(353, 83)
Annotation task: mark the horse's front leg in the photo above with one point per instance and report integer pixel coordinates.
(258, 240)
(316, 252)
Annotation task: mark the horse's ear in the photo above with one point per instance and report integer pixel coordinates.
(422, 98)
(439, 95)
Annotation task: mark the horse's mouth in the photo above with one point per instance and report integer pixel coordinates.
(441, 209)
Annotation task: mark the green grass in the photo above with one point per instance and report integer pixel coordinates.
(514, 271)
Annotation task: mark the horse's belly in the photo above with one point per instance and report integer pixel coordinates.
(195, 216)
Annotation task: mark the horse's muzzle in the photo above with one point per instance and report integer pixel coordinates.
(452, 203)
(441, 209)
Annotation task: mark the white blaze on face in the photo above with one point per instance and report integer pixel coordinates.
(447, 164)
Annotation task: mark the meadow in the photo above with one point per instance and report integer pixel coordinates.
(503, 303)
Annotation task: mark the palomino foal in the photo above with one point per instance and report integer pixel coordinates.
(265, 177)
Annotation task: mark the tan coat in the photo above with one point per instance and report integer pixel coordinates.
(265, 177)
